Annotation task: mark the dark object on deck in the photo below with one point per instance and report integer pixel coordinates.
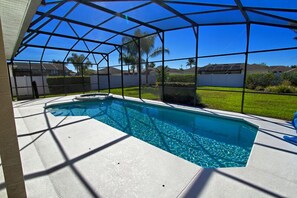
(35, 90)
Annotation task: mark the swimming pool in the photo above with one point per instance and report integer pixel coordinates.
(206, 140)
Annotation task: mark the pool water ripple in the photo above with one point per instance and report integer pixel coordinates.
(208, 141)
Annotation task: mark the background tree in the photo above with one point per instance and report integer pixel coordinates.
(128, 60)
(159, 72)
(77, 62)
(191, 62)
(152, 65)
(147, 48)
(56, 61)
(133, 68)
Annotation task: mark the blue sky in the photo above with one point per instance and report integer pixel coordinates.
(181, 43)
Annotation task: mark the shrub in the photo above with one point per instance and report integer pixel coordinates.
(159, 73)
(72, 84)
(263, 80)
(182, 99)
(181, 78)
(259, 88)
(285, 87)
(180, 93)
(291, 77)
(179, 84)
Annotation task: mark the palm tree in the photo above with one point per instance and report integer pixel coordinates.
(133, 68)
(191, 62)
(77, 61)
(130, 50)
(56, 61)
(152, 65)
(147, 48)
(159, 72)
(128, 60)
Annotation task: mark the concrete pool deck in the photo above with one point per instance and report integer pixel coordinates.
(82, 157)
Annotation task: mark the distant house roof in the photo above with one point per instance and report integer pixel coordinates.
(222, 68)
(238, 67)
(112, 70)
(260, 68)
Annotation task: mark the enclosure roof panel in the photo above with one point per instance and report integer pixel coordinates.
(107, 23)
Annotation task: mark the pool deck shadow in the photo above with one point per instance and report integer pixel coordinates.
(81, 157)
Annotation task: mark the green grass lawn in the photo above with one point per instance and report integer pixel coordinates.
(226, 98)
(146, 92)
(277, 106)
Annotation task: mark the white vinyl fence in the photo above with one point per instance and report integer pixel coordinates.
(25, 87)
(221, 80)
(116, 81)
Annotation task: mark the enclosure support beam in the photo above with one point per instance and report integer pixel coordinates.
(122, 72)
(9, 148)
(118, 14)
(15, 80)
(248, 26)
(31, 78)
(84, 24)
(82, 77)
(59, 48)
(64, 79)
(241, 9)
(163, 65)
(8, 70)
(97, 73)
(108, 72)
(139, 68)
(175, 12)
(46, 14)
(196, 32)
(42, 77)
(98, 76)
(69, 37)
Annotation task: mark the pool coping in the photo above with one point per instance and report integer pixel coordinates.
(271, 168)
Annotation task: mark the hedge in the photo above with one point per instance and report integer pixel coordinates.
(72, 84)
(181, 78)
(292, 77)
(262, 80)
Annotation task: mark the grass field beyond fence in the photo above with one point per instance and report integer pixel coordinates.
(229, 99)
(269, 105)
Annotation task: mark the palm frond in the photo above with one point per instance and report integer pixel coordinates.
(158, 51)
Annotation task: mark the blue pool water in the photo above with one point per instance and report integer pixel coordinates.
(208, 141)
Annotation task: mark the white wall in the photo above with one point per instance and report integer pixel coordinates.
(223, 80)
(24, 85)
